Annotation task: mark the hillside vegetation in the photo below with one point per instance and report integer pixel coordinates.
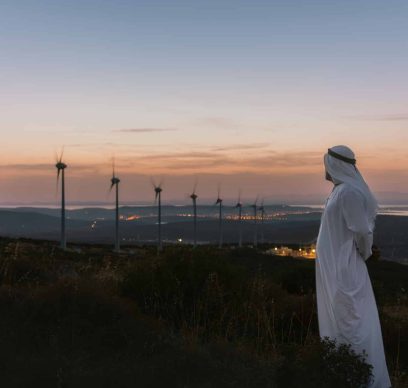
(189, 318)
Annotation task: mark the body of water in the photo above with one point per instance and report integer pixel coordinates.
(389, 210)
(385, 210)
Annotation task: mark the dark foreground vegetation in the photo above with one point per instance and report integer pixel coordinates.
(189, 318)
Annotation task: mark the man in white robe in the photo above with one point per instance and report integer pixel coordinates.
(347, 311)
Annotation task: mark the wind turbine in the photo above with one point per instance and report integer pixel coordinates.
(157, 199)
(239, 206)
(194, 197)
(219, 202)
(255, 208)
(262, 210)
(115, 183)
(61, 166)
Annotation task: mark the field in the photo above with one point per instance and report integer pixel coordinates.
(200, 317)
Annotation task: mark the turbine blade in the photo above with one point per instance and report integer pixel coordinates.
(62, 154)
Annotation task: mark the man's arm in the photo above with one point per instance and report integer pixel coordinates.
(354, 212)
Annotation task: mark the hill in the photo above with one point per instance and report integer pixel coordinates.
(189, 318)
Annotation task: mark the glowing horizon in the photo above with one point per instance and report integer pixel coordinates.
(247, 94)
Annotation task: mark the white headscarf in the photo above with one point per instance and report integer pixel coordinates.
(345, 171)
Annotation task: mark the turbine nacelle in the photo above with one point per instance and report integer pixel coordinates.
(193, 195)
(115, 181)
(157, 190)
(61, 166)
(219, 200)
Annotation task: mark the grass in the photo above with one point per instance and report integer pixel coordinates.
(189, 318)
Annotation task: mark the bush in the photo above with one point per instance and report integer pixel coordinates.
(323, 364)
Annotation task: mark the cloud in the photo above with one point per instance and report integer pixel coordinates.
(213, 160)
(387, 117)
(209, 164)
(46, 168)
(90, 145)
(183, 155)
(287, 159)
(177, 161)
(144, 130)
(259, 158)
(232, 147)
(27, 167)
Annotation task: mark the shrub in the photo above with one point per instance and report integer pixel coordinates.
(323, 364)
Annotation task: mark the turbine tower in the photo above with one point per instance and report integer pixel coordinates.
(262, 210)
(194, 197)
(115, 183)
(158, 190)
(239, 206)
(61, 166)
(219, 202)
(255, 208)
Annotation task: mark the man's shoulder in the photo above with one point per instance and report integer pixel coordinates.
(348, 192)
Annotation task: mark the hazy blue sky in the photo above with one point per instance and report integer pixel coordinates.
(224, 89)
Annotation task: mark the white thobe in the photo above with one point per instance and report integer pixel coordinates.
(347, 311)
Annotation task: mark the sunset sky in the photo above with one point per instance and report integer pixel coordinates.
(249, 94)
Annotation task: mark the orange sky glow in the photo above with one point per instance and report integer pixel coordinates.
(246, 95)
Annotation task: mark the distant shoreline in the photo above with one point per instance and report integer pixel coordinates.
(385, 210)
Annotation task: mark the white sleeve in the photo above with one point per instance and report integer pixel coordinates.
(355, 216)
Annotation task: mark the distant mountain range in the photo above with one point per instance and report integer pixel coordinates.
(283, 225)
